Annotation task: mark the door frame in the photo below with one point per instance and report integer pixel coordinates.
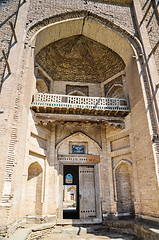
(97, 187)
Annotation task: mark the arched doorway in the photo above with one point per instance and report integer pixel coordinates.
(75, 170)
(71, 192)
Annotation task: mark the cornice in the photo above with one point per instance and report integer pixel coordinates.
(125, 2)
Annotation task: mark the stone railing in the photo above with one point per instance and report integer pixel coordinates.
(67, 101)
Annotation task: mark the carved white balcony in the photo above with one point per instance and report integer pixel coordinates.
(66, 104)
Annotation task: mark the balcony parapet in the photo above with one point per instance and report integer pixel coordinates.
(55, 103)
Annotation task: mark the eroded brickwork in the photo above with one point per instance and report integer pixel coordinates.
(151, 22)
(119, 14)
(8, 12)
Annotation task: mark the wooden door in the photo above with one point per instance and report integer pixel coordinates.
(87, 192)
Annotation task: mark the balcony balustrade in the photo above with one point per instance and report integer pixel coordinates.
(46, 102)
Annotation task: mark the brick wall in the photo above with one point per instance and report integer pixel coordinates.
(38, 10)
(151, 22)
(8, 12)
(118, 14)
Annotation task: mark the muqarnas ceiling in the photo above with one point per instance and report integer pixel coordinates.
(79, 59)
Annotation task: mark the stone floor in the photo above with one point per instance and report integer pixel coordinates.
(118, 230)
(82, 233)
(88, 237)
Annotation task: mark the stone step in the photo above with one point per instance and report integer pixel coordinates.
(74, 230)
(78, 230)
(93, 221)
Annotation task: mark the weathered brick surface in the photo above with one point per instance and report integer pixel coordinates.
(119, 14)
(152, 24)
(40, 233)
(8, 12)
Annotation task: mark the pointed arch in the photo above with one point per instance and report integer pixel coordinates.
(87, 24)
(77, 93)
(41, 86)
(114, 88)
(34, 170)
(123, 187)
(77, 134)
(123, 161)
(34, 189)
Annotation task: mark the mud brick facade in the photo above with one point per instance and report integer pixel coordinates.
(84, 81)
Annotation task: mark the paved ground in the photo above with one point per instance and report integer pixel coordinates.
(59, 236)
(69, 232)
(85, 233)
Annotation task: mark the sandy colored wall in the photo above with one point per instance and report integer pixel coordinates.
(94, 89)
(17, 92)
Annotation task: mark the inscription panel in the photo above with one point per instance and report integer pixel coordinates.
(76, 149)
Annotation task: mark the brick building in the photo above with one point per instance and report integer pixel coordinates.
(79, 96)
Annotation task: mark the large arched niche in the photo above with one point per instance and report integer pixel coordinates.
(89, 28)
(105, 33)
(130, 50)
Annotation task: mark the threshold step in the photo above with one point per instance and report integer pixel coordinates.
(78, 221)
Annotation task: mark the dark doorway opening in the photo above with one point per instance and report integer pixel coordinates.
(70, 192)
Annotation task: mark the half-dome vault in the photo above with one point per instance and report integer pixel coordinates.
(79, 59)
